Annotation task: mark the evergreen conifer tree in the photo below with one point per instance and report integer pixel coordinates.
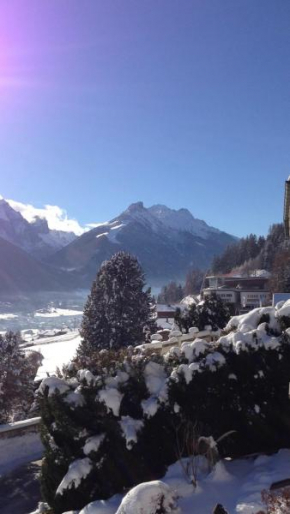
(118, 310)
(17, 372)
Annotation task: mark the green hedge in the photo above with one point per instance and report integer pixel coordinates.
(218, 387)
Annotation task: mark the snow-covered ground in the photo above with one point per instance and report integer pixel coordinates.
(55, 313)
(236, 484)
(8, 315)
(163, 323)
(56, 352)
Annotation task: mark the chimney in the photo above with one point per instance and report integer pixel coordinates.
(287, 208)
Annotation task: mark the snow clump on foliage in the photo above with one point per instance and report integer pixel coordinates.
(149, 498)
(77, 471)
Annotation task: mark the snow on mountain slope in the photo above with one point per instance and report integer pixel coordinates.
(137, 212)
(56, 217)
(166, 242)
(110, 230)
(182, 220)
(31, 233)
(161, 218)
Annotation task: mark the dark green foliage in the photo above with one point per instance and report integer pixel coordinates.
(284, 322)
(17, 372)
(120, 467)
(244, 390)
(118, 310)
(212, 311)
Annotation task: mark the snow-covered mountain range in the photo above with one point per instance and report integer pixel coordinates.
(167, 243)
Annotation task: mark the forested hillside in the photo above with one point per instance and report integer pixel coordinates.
(251, 253)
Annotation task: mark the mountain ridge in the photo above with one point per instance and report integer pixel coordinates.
(167, 243)
(165, 246)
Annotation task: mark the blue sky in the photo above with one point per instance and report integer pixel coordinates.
(182, 102)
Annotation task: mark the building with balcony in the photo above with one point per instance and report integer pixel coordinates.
(241, 293)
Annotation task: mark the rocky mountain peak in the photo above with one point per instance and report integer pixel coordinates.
(41, 225)
(33, 236)
(7, 213)
(181, 220)
(135, 207)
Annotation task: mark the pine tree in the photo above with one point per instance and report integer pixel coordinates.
(118, 310)
(17, 372)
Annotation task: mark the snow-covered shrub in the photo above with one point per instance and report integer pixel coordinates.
(154, 497)
(120, 422)
(105, 429)
(211, 311)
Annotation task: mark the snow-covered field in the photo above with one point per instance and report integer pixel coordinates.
(56, 352)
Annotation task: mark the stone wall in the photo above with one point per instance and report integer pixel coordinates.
(19, 444)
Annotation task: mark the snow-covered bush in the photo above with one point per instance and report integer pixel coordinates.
(121, 422)
(100, 429)
(210, 311)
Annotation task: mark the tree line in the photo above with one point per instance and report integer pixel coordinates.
(250, 253)
(174, 292)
